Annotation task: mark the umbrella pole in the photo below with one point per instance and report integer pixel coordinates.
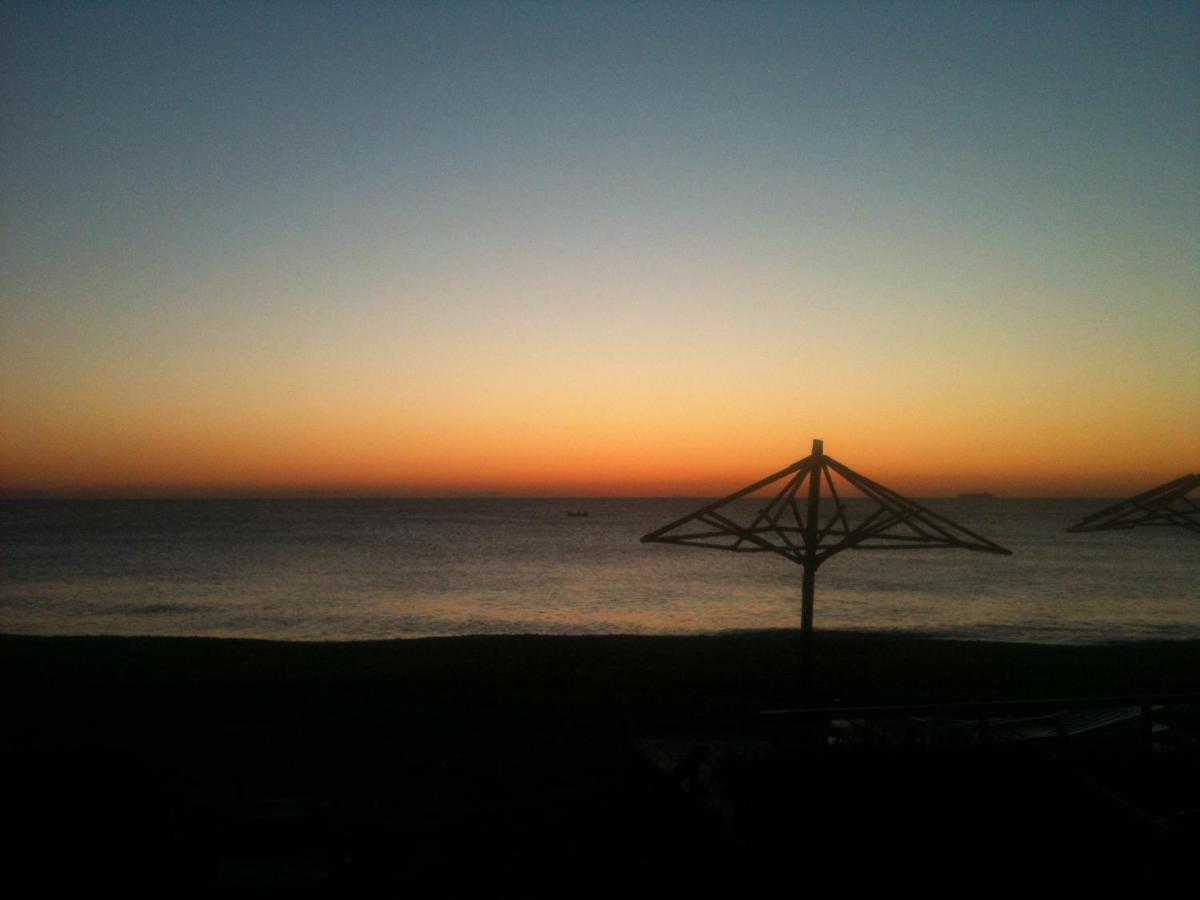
(811, 539)
(806, 625)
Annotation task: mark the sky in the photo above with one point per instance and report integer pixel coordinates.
(597, 248)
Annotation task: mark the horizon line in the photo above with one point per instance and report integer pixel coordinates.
(465, 495)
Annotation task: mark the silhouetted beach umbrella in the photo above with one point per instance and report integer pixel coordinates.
(1167, 504)
(795, 529)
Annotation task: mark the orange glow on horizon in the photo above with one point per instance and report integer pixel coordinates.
(702, 467)
(646, 432)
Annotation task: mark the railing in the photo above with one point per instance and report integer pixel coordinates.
(983, 712)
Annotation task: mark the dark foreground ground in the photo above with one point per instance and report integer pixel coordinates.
(173, 764)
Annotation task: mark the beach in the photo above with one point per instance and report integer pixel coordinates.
(232, 763)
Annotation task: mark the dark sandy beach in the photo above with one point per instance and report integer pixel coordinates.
(165, 761)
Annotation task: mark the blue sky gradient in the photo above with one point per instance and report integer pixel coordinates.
(967, 221)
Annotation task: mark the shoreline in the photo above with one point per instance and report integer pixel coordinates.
(873, 665)
(898, 633)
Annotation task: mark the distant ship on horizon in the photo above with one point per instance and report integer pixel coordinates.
(979, 495)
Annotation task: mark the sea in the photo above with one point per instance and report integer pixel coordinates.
(359, 569)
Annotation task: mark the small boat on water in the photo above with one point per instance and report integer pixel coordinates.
(982, 495)
(577, 513)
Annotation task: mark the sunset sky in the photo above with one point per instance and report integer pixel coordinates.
(608, 248)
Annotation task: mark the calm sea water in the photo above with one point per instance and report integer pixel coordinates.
(359, 569)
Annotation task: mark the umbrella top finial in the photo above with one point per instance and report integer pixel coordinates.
(818, 447)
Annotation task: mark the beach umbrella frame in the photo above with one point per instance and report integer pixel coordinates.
(794, 528)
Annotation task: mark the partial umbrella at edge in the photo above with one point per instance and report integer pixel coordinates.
(1167, 504)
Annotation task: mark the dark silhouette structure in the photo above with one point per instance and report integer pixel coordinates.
(1167, 504)
(791, 525)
